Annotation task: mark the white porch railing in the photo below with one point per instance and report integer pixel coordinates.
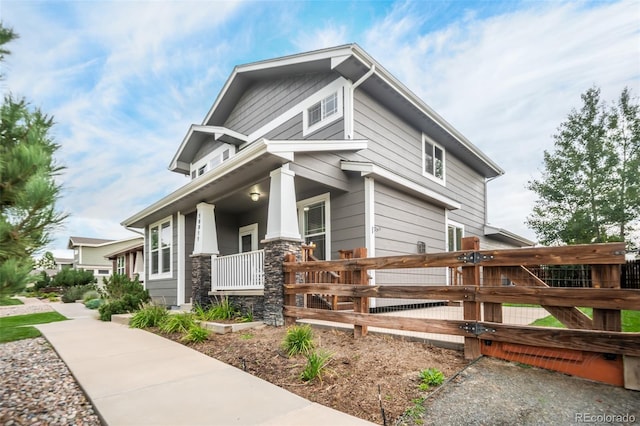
(242, 271)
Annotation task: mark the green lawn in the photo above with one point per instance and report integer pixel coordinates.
(5, 301)
(18, 327)
(630, 320)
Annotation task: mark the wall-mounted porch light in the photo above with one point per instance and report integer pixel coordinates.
(255, 196)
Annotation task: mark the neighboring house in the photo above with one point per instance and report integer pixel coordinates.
(325, 146)
(129, 260)
(89, 254)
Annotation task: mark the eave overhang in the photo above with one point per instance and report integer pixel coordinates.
(508, 237)
(193, 140)
(352, 62)
(394, 180)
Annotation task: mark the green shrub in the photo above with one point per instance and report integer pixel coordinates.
(316, 363)
(299, 339)
(94, 303)
(149, 316)
(223, 310)
(43, 281)
(178, 323)
(72, 277)
(123, 296)
(430, 377)
(74, 293)
(90, 295)
(111, 308)
(196, 334)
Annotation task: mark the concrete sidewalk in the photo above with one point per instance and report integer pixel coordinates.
(134, 377)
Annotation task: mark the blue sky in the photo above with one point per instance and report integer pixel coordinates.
(125, 80)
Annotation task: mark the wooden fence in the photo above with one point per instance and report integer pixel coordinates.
(487, 267)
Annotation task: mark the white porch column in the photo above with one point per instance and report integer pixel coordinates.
(206, 239)
(282, 218)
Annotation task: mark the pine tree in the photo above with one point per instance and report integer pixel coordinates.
(28, 190)
(589, 187)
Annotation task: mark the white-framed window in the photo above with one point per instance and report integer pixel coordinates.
(325, 109)
(248, 238)
(161, 249)
(120, 265)
(455, 233)
(433, 160)
(212, 160)
(315, 224)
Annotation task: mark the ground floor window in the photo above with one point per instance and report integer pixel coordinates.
(161, 240)
(314, 220)
(120, 265)
(455, 232)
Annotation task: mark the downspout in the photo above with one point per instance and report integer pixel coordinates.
(486, 199)
(352, 90)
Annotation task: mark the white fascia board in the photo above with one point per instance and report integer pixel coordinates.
(217, 133)
(293, 146)
(377, 172)
(315, 55)
(251, 152)
(221, 95)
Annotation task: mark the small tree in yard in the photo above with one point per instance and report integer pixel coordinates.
(590, 187)
(28, 191)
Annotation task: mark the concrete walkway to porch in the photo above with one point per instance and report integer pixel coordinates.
(133, 377)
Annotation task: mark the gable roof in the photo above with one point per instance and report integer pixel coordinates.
(353, 63)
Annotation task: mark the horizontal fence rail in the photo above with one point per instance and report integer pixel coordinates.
(242, 271)
(585, 254)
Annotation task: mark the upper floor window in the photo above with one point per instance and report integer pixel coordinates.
(323, 109)
(432, 159)
(212, 160)
(160, 248)
(322, 112)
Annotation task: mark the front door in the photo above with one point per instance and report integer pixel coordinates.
(248, 238)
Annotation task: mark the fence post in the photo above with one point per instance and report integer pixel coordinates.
(471, 310)
(289, 299)
(606, 276)
(360, 304)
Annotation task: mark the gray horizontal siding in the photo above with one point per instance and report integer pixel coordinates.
(206, 148)
(347, 219)
(265, 100)
(163, 291)
(402, 221)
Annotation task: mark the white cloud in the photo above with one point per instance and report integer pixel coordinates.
(328, 36)
(508, 81)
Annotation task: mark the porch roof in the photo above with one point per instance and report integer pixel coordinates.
(250, 165)
(508, 237)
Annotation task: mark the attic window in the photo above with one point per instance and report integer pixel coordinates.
(323, 109)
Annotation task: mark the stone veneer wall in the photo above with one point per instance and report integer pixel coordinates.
(274, 252)
(249, 304)
(201, 279)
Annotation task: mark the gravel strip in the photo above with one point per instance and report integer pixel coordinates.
(7, 311)
(495, 392)
(38, 389)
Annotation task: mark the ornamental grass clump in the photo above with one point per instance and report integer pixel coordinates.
(316, 363)
(195, 334)
(149, 316)
(298, 340)
(178, 323)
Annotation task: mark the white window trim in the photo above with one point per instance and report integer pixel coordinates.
(121, 268)
(455, 224)
(319, 97)
(161, 275)
(327, 216)
(206, 160)
(434, 178)
(248, 230)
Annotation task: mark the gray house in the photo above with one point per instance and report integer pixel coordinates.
(325, 147)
